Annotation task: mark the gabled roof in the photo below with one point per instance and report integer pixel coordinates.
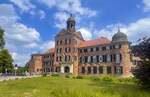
(99, 41)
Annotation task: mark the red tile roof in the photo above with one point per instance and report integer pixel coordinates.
(99, 41)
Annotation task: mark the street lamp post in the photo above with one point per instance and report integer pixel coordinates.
(16, 67)
(6, 71)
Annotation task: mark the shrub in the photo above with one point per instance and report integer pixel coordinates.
(67, 76)
(55, 75)
(108, 79)
(95, 78)
(44, 75)
(79, 77)
(142, 73)
(127, 80)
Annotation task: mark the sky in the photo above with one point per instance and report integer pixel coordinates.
(31, 25)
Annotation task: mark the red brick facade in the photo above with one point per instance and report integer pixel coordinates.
(72, 54)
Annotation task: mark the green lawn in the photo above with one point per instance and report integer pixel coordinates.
(68, 87)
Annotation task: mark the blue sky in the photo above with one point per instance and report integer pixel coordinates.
(31, 25)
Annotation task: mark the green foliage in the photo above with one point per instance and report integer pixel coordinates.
(55, 75)
(127, 80)
(44, 75)
(79, 77)
(5, 61)
(108, 78)
(67, 76)
(2, 41)
(5, 58)
(21, 71)
(142, 71)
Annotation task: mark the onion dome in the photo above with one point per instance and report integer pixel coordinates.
(71, 18)
(119, 37)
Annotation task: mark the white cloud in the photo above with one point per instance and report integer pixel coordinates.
(19, 38)
(47, 45)
(17, 33)
(65, 7)
(42, 14)
(20, 58)
(24, 5)
(9, 12)
(28, 7)
(134, 30)
(61, 17)
(86, 33)
(146, 5)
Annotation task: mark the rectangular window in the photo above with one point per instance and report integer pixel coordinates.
(91, 49)
(100, 58)
(66, 50)
(94, 49)
(65, 41)
(111, 58)
(110, 47)
(57, 42)
(83, 70)
(117, 58)
(95, 70)
(65, 58)
(104, 58)
(108, 70)
(91, 59)
(61, 42)
(89, 70)
(86, 59)
(97, 48)
(107, 47)
(85, 50)
(108, 58)
(97, 58)
(80, 59)
(80, 50)
(116, 46)
(100, 70)
(118, 70)
(94, 59)
(103, 48)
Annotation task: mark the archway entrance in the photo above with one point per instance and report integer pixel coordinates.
(66, 69)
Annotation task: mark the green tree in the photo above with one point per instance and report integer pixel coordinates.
(5, 61)
(5, 58)
(142, 71)
(2, 41)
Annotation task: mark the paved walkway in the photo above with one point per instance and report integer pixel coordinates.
(4, 78)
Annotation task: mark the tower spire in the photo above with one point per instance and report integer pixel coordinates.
(118, 28)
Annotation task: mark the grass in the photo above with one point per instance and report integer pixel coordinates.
(69, 87)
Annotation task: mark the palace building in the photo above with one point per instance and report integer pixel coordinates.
(72, 54)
